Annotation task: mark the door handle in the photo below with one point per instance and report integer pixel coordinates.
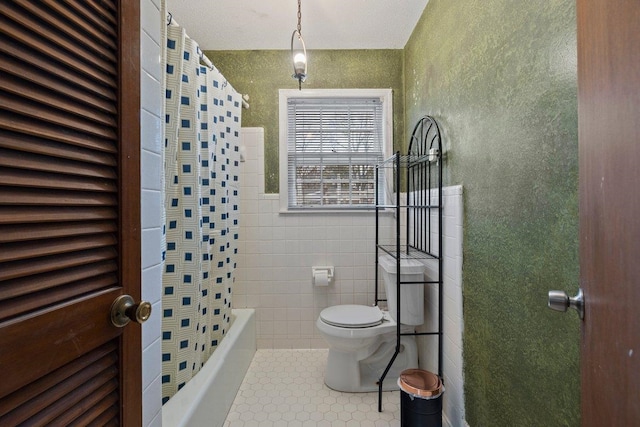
(560, 301)
(124, 310)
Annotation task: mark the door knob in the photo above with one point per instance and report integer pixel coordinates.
(560, 301)
(124, 309)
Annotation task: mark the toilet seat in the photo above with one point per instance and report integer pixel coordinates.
(352, 316)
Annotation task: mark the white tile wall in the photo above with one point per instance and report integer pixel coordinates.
(277, 252)
(453, 400)
(151, 203)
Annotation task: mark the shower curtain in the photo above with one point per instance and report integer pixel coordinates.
(201, 156)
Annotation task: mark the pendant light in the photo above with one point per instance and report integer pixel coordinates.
(299, 55)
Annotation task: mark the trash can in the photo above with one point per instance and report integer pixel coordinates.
(420, 398)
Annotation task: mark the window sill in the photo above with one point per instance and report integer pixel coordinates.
(371, 211)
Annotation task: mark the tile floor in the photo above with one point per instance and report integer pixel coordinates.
(286, 388)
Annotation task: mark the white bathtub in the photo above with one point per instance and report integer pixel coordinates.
(206, 399)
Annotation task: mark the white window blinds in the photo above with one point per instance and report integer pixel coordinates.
(333, 145)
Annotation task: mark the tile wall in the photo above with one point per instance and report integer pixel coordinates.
(151, 201)
(453, 402)
(277, 252)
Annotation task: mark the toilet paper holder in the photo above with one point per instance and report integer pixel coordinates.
(318, 272)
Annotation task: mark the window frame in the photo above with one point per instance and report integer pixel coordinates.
(386, 98)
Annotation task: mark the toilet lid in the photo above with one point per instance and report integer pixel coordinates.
(352, 316)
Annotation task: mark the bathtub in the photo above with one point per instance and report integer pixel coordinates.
(206, 399)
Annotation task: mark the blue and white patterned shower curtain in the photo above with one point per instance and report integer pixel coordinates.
(202, 159)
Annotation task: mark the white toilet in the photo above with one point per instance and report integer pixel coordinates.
(362, 339)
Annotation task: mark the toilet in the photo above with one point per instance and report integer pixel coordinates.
(362, 339)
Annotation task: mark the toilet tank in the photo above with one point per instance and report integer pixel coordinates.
(411, 295)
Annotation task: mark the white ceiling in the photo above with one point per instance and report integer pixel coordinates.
(326, 24)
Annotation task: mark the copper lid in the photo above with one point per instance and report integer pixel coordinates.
(420, 383)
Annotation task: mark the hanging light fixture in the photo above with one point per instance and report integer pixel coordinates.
(299, 54)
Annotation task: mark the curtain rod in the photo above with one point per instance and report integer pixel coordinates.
(207, 61)
(203, 57)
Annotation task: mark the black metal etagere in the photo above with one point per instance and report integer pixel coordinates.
(422, 169)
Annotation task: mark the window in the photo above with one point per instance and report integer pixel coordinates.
(330, 142)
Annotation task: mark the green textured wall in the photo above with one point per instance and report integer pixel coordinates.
(262, 73)
(500, 78)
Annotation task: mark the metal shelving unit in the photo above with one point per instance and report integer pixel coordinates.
(422, 170)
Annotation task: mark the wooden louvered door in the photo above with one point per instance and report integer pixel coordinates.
(69, 211)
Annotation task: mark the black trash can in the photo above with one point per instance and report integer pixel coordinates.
(420, 398)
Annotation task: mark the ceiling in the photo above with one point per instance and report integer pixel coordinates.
(326, 24)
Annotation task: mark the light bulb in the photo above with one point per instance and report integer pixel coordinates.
(299, 63)
(300, 59)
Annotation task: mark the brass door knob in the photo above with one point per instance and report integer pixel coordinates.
(124, 309)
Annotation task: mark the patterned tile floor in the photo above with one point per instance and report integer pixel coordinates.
(286, 388)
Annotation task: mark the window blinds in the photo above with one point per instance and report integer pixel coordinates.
(333, 145)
